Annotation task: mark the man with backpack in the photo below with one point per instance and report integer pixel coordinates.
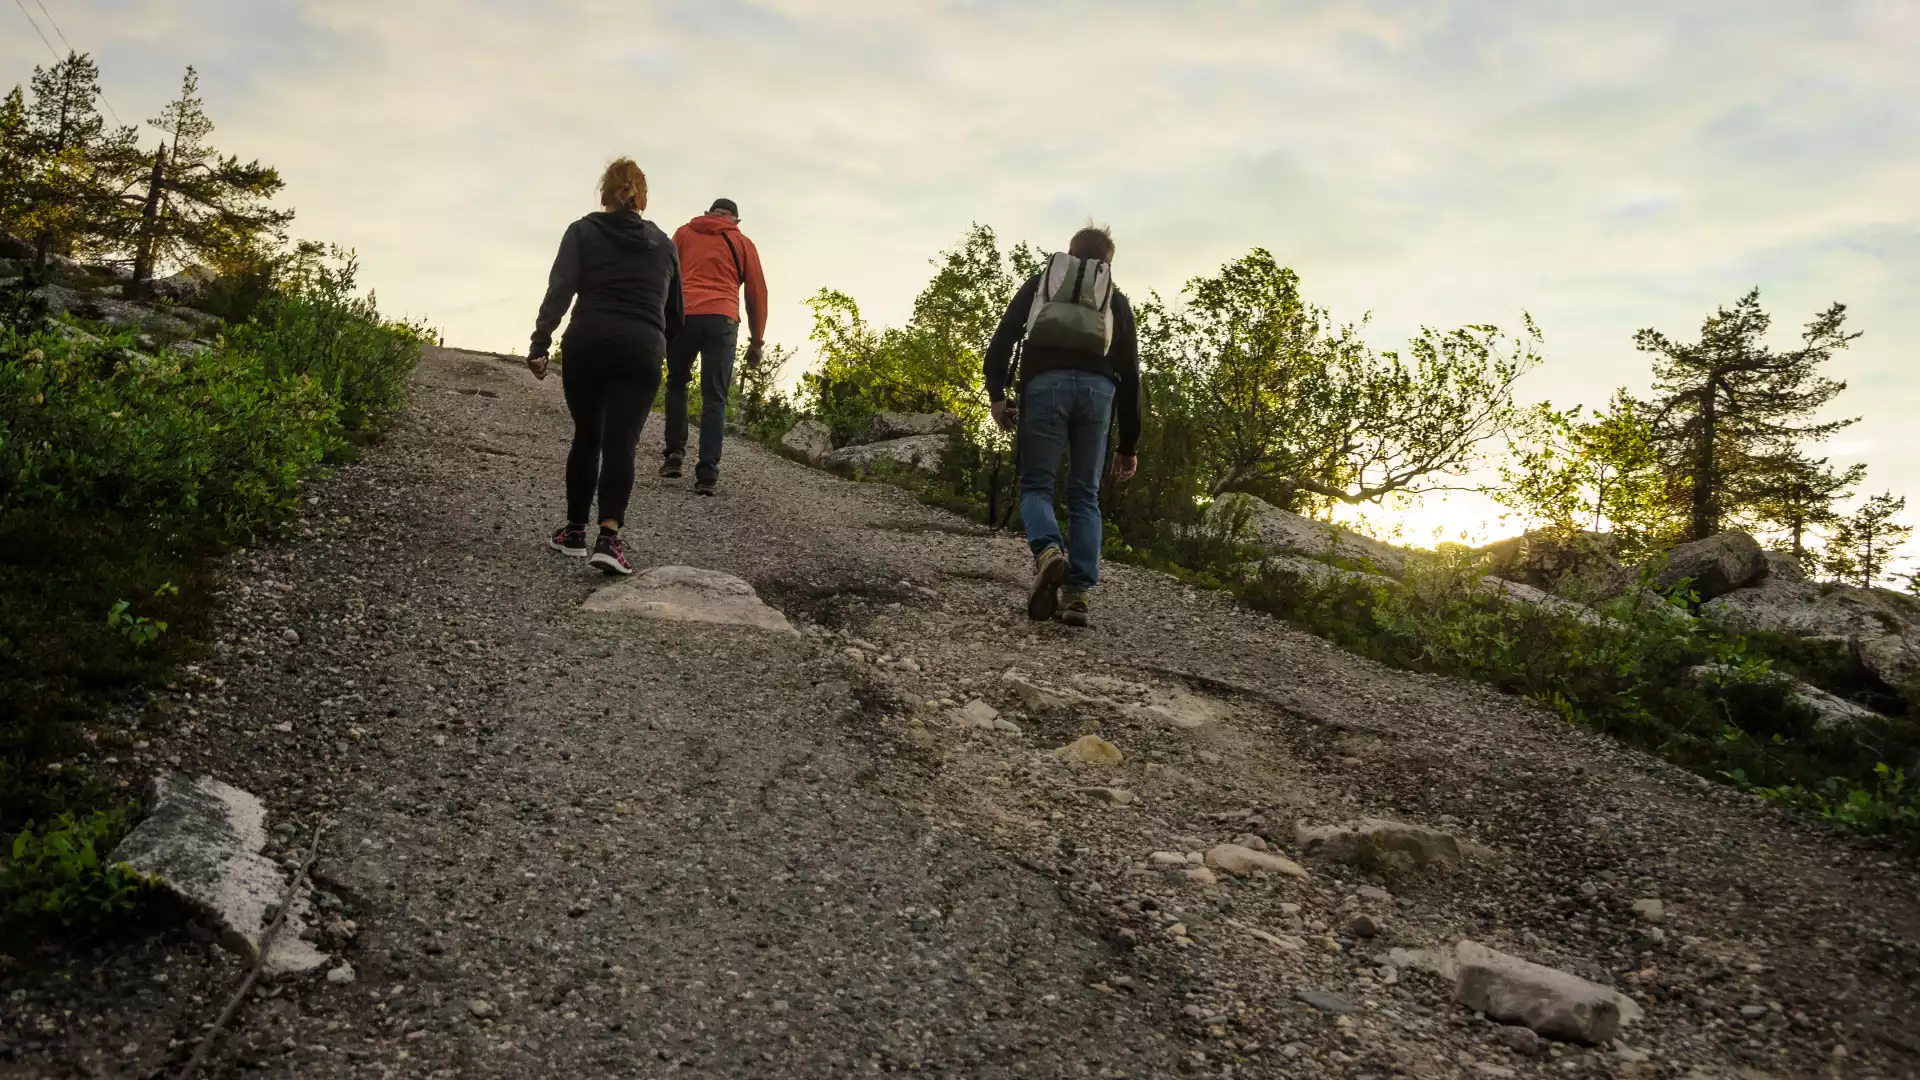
(716, 259)
(1079, 360)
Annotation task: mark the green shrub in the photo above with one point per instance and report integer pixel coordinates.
(121, 472)
(55, 878)
(319, 329)
(90, 427)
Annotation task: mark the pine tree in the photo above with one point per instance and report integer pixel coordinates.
(195, 200)
(1795, 494)
(1727, 404)
(79, 165)
(19, 163)
(1863, 544)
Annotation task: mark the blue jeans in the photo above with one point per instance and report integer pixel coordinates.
(714, 339)
(1065, 412)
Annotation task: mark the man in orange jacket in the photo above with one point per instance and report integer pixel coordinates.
(716, 258)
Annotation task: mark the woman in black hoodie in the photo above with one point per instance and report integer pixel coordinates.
(627, 277)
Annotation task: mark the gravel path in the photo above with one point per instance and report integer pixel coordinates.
(572, 845)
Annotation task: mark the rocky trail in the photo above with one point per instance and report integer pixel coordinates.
(567, 843)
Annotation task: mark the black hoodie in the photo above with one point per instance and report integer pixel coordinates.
(627, 275)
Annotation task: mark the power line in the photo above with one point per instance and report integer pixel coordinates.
(36, 30)
(70, 50)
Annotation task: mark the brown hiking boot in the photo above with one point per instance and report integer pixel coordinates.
(1075, 611)
(1049, 570)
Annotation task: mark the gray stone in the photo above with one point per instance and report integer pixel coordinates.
(184, 287)
(1326, 1002)
(1651, 910)
(1716, 566)
(1829, 710)
(1281, 531)
(809, 439)
(1240, 861)
(1518, 593)
(1377, 839)
(976, 714)
(481, 1008)
(1310, 573)
(1782, 566)
(342, 974)
(1550, 1002)
(202, 840)
(688, 594)
(1040, 697)
(1583, 564)
(1520, 1040)
(887, 426)
(919, 452)
(1880, 626)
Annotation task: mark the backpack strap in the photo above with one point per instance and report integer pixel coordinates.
(740, 275)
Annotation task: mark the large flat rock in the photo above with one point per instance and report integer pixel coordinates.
(202, 840)
(1278, 530)
(689, 594)
(1548, 1000)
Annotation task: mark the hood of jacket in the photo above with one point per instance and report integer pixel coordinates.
(713, 224)
(625, 229)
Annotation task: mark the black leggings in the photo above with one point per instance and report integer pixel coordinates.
(609, 387)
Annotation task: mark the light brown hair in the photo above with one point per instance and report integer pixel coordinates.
(1092, 242)
(623, 186)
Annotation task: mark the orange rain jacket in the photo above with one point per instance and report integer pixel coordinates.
(716, 258)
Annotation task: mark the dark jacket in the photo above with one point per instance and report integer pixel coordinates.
(627, 276)
(1121, 363)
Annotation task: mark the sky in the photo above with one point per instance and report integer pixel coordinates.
(1604, 167)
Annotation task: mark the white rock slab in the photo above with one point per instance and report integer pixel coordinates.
(689, 594)
(203, 840)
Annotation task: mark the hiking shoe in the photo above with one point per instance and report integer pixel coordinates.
(670, 468)
(609, 556)
(570, 540)
(1049, 570)
(704, 485)
(1075, 611)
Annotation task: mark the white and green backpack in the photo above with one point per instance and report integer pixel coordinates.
(1074, 307)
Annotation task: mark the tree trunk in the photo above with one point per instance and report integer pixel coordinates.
(1705, 522)
(149, 227)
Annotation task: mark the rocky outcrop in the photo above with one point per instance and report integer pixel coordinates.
(1518, 593)
(1880, 626)
(202, 841)
(1585, 564)
(1783, 566)
(1312, 574)
(180, 322)
(1282, 532)
(688, 594)
(923, 453)
(887, 426)
(1830, 711)
(184, 287)
(1715, 566)
(808, 440)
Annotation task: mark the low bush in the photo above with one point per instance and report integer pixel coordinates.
(56, 879)
(121, 473)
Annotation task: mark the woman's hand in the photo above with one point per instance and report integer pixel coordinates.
(538, 365)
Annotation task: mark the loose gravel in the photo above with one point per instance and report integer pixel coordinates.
(564, 844)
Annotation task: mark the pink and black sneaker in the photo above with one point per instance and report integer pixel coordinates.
(609, 556)
(571, 540)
